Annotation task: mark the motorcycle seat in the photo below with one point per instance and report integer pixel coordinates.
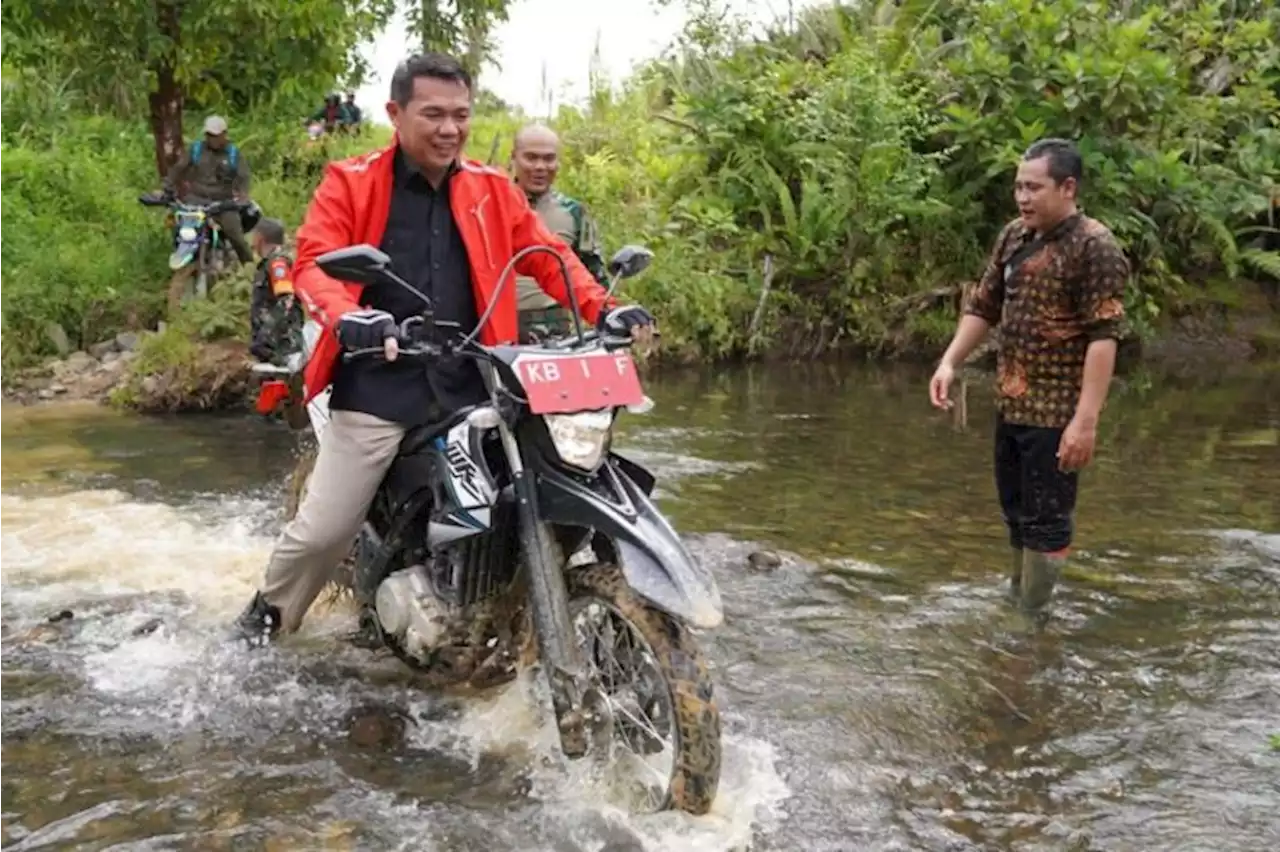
(419, 438)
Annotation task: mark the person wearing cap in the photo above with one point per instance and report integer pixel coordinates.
(212, 169)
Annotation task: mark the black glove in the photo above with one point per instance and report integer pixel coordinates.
(620, 321)
(365, 329)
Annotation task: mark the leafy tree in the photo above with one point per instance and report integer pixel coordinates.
(462, 27)
(139, 56)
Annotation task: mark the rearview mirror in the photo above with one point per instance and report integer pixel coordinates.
(630, 261)
(362, 264)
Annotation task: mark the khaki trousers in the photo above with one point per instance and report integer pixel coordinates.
(356, 450)
(233, 230)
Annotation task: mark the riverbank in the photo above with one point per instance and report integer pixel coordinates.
(166, 372)
(149, 372)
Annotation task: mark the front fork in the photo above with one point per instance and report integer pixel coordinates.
(549, 599)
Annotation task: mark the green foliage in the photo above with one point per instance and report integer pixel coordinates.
(80, 251)
(228, 53)
(460, 27)
(1174, 108)
(870, 151)
(859, 159)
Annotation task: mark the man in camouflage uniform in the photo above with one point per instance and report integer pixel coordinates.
(1055, 285)
(219, 173)
(535, 161)
(275, 316)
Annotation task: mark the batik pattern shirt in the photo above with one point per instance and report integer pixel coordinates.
(1051, 297)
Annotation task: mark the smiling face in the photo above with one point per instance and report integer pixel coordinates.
(1042, 201)
(536, 160)
(433, 125)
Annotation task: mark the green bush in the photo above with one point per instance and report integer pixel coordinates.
(863, 156)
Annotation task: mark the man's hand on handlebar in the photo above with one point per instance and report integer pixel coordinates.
(369, 329)
(629, 321)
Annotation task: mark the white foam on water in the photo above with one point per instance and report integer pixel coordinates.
(197, 570)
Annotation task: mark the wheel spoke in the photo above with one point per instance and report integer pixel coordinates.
(624, 664)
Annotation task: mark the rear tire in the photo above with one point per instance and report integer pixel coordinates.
(695, 718)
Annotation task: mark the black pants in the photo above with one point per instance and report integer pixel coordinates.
(1037, 499)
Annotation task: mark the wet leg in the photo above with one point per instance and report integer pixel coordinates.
(1049, 501)
(355, 452)
(1008, 472)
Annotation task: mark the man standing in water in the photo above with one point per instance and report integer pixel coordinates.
(535, 162)
(1055, 286)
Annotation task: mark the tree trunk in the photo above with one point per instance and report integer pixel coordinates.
(166, 99)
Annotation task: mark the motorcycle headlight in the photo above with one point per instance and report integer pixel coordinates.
(186, 233)
(581, 439)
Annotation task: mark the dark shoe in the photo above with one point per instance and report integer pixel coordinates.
(258, 624)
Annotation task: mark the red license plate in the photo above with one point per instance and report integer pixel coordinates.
(564, 384)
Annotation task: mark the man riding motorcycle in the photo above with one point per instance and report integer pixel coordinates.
(212, 169)
(334, 115)
(449, 225)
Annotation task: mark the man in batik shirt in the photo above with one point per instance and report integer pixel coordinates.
(1055, 286)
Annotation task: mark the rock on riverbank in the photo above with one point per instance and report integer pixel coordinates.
(152, 372)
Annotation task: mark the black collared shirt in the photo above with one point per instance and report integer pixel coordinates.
(426, 250)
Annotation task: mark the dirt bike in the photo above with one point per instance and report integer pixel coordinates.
(511, 535)
(200, 255)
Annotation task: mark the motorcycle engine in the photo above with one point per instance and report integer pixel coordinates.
(409, 610)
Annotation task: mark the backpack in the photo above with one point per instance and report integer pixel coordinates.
(233, 153)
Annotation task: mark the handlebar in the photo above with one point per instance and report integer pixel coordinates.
(211, 208)
(418, 349)
(407, 350)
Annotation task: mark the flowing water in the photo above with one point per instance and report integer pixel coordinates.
(877, 692)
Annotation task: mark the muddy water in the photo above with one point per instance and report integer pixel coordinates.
(877, 693)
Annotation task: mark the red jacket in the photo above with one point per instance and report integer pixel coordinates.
(495, 221)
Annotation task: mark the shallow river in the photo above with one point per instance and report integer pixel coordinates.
(877, 692)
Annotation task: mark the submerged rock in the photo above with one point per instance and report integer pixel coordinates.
(376, 726)
(764, 560)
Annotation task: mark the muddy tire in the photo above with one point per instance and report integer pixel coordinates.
(695, 717)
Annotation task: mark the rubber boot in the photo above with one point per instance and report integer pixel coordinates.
(258, 624)
(1014, 592)
(1040, 573)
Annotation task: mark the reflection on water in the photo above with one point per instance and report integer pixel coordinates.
(877, 692)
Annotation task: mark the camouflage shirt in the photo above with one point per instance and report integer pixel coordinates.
(568, 219)
(213, 178)
(275, 316)
(1051, 297)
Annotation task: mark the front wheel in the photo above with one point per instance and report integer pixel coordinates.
(654, 694)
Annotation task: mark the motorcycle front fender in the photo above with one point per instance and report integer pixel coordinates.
(654, 560)
(182, 255)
